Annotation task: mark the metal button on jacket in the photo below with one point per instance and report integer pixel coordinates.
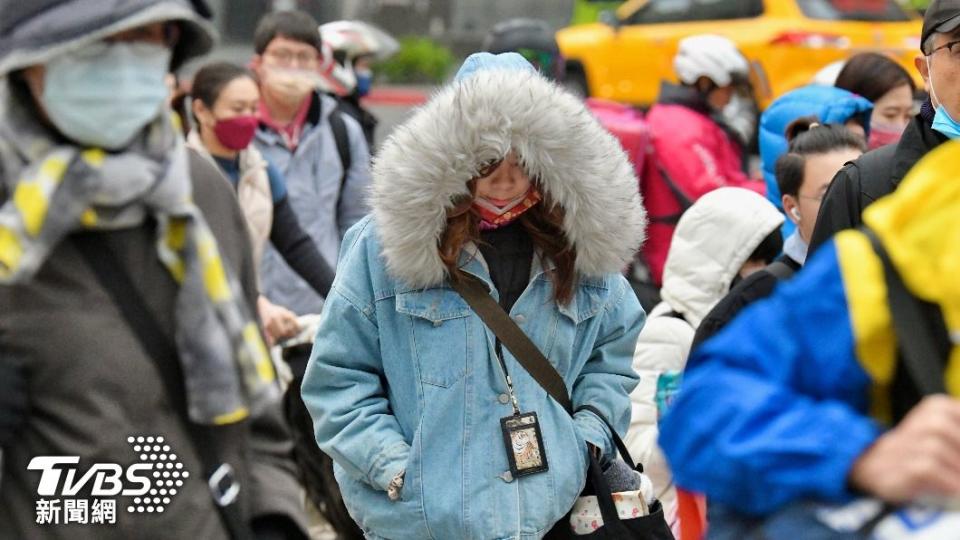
(503, 398)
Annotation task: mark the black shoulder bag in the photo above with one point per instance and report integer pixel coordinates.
(650, 527)
(207, 441)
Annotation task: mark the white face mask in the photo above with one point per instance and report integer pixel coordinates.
(291, 86)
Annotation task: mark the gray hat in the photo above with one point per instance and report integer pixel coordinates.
(943, 16)
(32, 32)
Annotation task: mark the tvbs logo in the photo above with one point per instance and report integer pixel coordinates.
(150, 484)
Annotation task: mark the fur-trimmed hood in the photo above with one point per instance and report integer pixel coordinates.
(428, 161)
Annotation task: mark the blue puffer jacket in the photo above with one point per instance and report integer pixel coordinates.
(831, 105)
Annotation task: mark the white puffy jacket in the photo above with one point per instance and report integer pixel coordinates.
(713, 239)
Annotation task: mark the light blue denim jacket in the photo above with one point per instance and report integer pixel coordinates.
(407, 380)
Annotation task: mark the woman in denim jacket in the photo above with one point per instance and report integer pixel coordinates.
(506, 177)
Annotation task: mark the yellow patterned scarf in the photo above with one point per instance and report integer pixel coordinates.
(56, 189)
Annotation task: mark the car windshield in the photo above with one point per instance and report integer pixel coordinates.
(853, 10)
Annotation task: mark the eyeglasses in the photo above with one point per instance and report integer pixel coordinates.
(286, 57)
(818, 198)
(953, 46)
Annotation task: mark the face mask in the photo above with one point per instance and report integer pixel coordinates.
(741, 116)
(493, 216)
(104, 94)
(882, 135)
(942, 121)
(237, 132)
(364, 81)
(291, 86)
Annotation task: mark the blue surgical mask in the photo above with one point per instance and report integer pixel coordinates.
(364, 81)
(103, 94)
(942, 121)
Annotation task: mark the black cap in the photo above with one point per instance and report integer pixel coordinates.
(942, 16)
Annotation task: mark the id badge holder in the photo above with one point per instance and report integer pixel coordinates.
(524, 444)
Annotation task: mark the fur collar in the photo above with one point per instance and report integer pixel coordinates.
(429, 159)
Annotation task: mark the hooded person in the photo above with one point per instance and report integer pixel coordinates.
(701, 267)
(506, 178)
(828, 104)
(125, 291)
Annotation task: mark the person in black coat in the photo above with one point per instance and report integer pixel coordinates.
(879, 173)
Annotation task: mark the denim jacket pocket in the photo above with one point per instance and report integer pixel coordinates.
(439, 333)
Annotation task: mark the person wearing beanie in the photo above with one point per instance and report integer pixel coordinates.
(879, 172)
(126, 287)
(505, 178)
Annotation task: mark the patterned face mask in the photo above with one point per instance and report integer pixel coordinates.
(494, 217)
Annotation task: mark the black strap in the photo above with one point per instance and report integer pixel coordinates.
(780, 270)
(206, 440)
(621, 446)
(342, 140)
(916, 340)
(475, 292)
(683, 200)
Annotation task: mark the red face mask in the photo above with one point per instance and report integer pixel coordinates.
(493, 216)
(237, 132)
(882, 135)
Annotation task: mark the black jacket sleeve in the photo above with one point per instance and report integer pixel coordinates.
(298, 249)
(840, 209)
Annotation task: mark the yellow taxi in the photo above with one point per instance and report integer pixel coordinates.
(625, 57)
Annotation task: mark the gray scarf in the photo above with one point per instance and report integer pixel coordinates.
(56, 189)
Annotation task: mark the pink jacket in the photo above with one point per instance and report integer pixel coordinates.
(699, 157)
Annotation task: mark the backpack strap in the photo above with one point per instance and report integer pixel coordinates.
(919, 328)
(682, 199)
(342, 140)
(780, 270)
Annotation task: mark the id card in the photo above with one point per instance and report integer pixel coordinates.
(524, 444)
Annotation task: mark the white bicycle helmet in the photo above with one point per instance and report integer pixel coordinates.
(714, 57)
(346, 41)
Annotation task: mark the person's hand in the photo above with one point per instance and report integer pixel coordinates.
(919, 458)
(14, 404)
(279, 323)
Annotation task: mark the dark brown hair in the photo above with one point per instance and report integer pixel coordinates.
(293, 25)
(872, 75)
(544, 224)
(806, 138)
